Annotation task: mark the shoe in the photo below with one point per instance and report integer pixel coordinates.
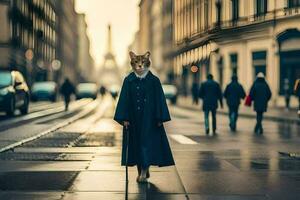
(231, 128)
(207, 131)
(138, 178)
(142, 180)
(214, 132)
(256, 129)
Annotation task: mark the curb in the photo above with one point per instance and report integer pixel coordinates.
(266, 117)
(92, 106)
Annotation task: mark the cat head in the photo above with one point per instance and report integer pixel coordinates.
(140, 63)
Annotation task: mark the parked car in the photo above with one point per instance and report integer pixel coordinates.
(86, 90)
(46, 90)
(14, 92)
(170, 92)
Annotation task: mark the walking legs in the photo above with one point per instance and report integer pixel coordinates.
(258, 127)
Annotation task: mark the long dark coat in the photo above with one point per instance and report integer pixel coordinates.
(233, 94)
(260, 93)
(210, 92)
(146, 138)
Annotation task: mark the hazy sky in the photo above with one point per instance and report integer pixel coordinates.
(121, 14)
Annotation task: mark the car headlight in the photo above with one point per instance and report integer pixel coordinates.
(4, 91)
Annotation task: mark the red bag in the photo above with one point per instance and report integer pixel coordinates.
(248, 101)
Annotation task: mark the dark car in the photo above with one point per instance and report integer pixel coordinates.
(170, 92)
(86, 90)
(14, 92)
(46, 90)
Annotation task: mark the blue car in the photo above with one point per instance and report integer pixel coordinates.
(45, 91)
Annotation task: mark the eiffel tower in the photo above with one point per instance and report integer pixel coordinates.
(109, 72)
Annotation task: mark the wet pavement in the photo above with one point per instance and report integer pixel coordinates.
(82, 161)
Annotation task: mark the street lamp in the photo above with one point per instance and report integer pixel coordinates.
(56, 65)
(29, 55)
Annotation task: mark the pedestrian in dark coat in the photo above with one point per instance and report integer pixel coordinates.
(297, 92)
(67, 89)
(260, 94)
(234, 93)
(287, 92)
(142, 109)
(210, 92)
(195, 91)
(102, 90)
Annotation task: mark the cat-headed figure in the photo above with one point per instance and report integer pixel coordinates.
(142, 110)
(140, 63)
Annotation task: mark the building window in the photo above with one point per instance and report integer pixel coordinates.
(261, 7)
(221, 71)
(235, 10)
(234, 63)
(293, 3)
(205, 14)
(259, 62)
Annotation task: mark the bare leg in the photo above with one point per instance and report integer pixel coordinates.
(144, 175)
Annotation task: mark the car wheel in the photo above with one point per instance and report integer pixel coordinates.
(24, 109)
(11, 108)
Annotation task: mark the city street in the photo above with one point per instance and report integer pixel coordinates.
(52, 154)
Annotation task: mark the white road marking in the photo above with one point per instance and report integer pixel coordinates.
(182, 139)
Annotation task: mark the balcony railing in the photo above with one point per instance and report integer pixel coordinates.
(244, 21)
(258, 18)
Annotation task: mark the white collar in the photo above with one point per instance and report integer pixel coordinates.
(143, 75)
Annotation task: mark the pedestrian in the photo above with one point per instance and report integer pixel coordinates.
(297, 93)
(210, 92)
(142, 110)
(195, 91)
(287, 93)
(234, 93)
(260, 94)
(102, 91)
(67, 89)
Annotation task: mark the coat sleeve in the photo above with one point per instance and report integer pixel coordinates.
(226, 92)
(122, 112)
(201, 91)
(243, 93)
(269, 93)
(252, 92)
(162, 111)
(220, 94)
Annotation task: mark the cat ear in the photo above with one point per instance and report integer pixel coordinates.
(132, 55)
(147, 55)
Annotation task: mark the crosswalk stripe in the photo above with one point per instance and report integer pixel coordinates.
(182, 139)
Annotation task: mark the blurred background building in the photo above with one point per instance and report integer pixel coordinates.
(45, 40)
(67, 45)
(86, 65)
(28, 37)
(155, 35)
(243, 37)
